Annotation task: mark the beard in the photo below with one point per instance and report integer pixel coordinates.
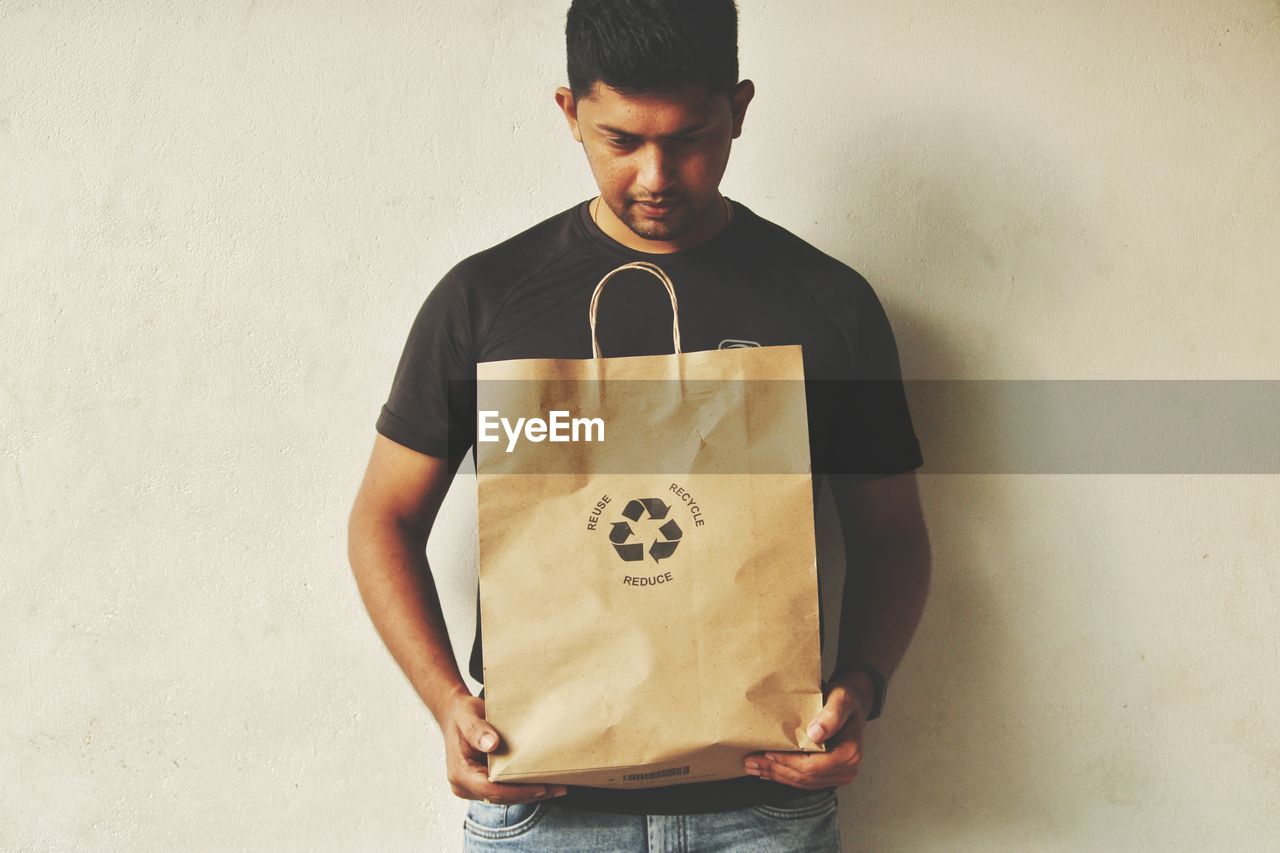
(670, 226)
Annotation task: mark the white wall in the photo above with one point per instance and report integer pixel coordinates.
(219, 220)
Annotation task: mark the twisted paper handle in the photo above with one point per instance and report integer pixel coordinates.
(666, 282)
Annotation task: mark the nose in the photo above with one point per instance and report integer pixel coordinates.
(657, 171)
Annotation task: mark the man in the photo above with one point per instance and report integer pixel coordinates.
(655, 101)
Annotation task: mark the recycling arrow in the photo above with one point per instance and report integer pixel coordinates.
(636, 507)
(660, 548)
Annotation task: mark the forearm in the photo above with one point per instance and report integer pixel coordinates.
(389, 562)
(885, 590)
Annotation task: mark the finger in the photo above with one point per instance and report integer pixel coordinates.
(775, 771)
(479, 735)
(522, 794)
(831, 719)
(810, 763)
(506, 793)
(503, 797)
(468, 752)
(840, 759)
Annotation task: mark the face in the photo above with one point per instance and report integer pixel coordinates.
(668, 149)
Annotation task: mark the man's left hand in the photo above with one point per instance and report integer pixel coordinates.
(839, 725)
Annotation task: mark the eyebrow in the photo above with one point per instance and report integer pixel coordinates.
(692, 128)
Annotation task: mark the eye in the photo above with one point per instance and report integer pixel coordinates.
(621, 141)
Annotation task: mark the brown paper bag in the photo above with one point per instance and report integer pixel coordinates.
(649, 600)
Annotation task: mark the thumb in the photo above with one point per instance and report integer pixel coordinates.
(832, 717)
(480, 734)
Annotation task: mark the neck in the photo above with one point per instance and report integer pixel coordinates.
(716, 218)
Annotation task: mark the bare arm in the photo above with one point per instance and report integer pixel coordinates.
(885, 590)
(386, 544)
(887, 583)
(387, 532)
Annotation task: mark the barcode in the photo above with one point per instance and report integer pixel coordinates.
(657, 774)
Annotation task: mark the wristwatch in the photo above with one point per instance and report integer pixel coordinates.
(879, 685)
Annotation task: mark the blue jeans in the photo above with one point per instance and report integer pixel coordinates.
(806, 824)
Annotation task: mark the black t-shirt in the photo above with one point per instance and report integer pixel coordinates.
(753, 284)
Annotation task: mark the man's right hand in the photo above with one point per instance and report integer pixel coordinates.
(467, 738)
(388, 530)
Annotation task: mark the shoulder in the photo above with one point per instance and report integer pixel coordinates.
(836, 287)
(470, 294)
(488, 274)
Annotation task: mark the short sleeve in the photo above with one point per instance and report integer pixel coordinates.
(431, 406)
(873, 435)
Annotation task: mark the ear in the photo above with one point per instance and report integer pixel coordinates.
(564, 97)
(742, 95)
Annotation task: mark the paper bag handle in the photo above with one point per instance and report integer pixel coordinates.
(666, 282)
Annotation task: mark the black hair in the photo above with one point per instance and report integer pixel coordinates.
(652, 46)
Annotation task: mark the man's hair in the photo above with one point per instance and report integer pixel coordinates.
(652, 46)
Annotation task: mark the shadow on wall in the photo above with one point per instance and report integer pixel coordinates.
(978, 214)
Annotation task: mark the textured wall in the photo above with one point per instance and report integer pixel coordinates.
(219, 220)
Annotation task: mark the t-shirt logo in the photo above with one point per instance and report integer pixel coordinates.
(733, 343)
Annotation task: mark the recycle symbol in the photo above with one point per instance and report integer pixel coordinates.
(661, 547)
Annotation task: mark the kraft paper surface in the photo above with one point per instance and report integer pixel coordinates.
(649, 625)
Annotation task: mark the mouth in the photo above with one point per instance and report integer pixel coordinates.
(656, 209)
